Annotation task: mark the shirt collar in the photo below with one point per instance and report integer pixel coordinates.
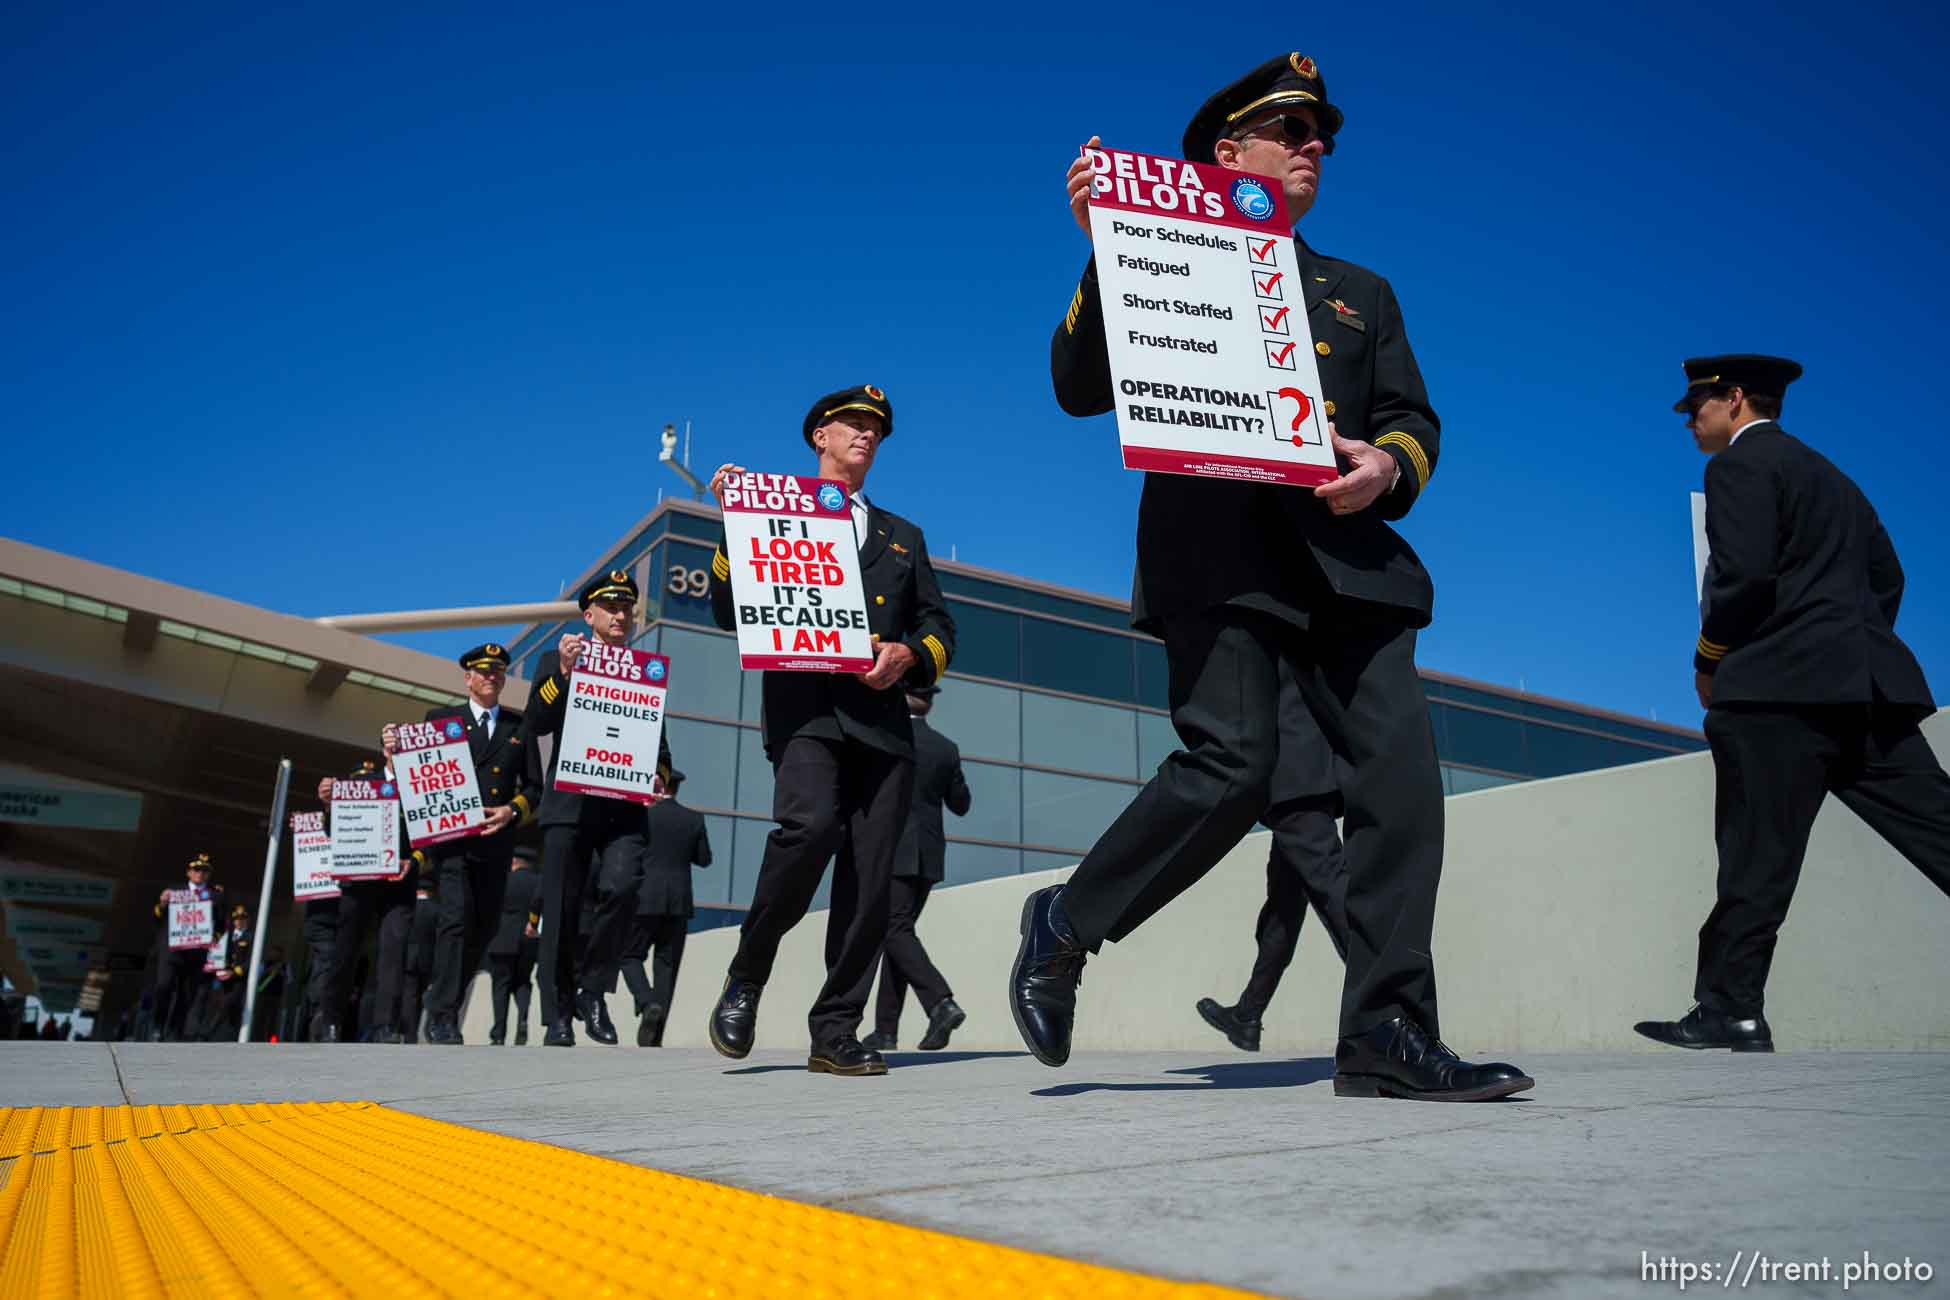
(1743, 428)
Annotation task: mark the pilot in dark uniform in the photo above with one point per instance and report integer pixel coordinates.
(665, 904)
(472, 872)
(591, 844)
(1305, 865)
(511, 953)
(842, 752)
(1316, 579)
(1808, 690)
(179, 972)
(385, 909)
(920, 862)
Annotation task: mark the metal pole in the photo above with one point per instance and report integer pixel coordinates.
(264, 897)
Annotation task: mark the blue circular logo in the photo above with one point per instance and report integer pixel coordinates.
(655, 670)
(831, 498)
(386, 790)
(453, 731)
(1251, 198)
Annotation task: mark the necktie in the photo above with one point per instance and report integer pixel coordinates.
(485, 724)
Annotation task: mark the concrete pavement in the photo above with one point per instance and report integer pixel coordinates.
(1212, 1166)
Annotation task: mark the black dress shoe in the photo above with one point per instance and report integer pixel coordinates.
(592, 1009)
(650, 1027)
(1043, 982)
(1241, 1030)
(521, 1034)
(443, 1031)
(558, 1033)
(879, 1041)
(1399, 1059)
(1701, 1028)
(497, 1038)
(944, 1020)
(386, 1034)
(734, 1021)
(848, 1056)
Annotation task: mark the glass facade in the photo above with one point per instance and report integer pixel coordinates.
(1058, 707)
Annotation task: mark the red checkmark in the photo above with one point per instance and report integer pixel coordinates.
(1282, 354)
(1263, 251)
(1266, 285)
(1273, 322)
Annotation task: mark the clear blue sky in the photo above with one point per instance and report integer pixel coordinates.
(273, 278)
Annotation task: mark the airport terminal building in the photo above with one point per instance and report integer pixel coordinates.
(1057, 705)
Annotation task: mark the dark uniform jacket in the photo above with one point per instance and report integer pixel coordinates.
(548, 703)
(1243, 553)
(678, 841)
(524, 886)
(509, 769)
(1802, 586)
(938, 780)
(904, 604)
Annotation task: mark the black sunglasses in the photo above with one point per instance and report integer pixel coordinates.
(1296, 131)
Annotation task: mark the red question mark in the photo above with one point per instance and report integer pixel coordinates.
(1300, 414)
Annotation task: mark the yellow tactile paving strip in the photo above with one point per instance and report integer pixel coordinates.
(350, 1198)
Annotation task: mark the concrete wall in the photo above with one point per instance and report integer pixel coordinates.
(1569, 909)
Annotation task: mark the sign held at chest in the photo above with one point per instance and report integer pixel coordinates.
(796, 590)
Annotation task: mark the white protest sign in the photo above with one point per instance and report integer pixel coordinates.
(365, 831)
(613, 724)
(213, 960)
(191, 924)
(1205, 318)
(439, 793)
(311, 858)
(795, 575)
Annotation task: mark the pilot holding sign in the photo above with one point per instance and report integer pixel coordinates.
(842, 751)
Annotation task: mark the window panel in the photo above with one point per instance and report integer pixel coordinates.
(1057, 732)
(712, 884)
(1553, 751)
(1483, 739)
(754, 775)
(995, 804)
(704, 673)
(705, 751)
(1033, 861)
(985, 721)
(1156, 739)
(1460, 780)
(1069, 812)
(968, 862)
(1077, 659)
(1153, 675)
(748, 851)
(987, 641)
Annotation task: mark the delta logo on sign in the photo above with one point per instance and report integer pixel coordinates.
(454, 729)
(831, 498)
(1251, 199)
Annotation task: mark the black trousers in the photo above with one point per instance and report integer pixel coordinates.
(1772, 767)
(412, 999)
(512, 974)
(903, 961)
(473, 881)
(1306, 865)
(179, 979)
(823, 790)
(321, 929)
(598, 857)
(383, 908)
(223, 1009)
(661, 940)
(1356, 671)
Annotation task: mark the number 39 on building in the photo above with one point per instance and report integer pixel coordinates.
(689, 582)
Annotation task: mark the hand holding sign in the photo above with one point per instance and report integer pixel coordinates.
(568, 650)
(1080, 181)
(719, 480)
(1372, 475)
(892, 659)
(499, 818)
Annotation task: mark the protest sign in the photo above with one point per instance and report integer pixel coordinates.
(795, 574)
(613, 724)
(191, 924)
(311, 858)
(439, 792)
(1205, 318)
(213, 960)
(365, 831)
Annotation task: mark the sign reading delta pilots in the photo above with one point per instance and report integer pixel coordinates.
(365, 831)
(439, 792)
(795, 575)
(1211, 355)
(311, 858)
(613, 724)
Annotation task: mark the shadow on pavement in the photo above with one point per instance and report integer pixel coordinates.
(1236, 1074)
(895, 1061)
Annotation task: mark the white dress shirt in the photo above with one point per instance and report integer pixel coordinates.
(485, 718)
(1743, 428)
(859, 501)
